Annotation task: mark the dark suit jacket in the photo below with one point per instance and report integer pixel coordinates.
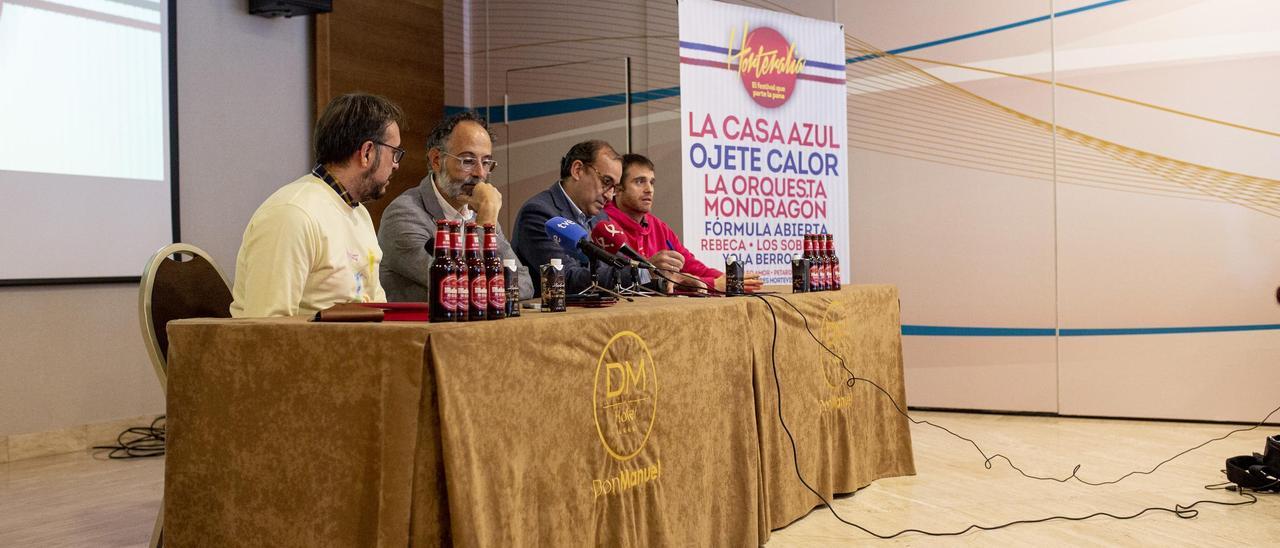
(407, 237)
(535, 248)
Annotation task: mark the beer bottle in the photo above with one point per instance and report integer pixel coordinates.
(440, 290)
(493, 272)
(815, 265)
(835, 262)
(478, 305)
(824, 267)
(460, 278)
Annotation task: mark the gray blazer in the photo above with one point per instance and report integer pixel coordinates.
(407, 237)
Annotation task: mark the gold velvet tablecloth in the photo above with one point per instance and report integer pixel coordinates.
(845, 436)
(648, 423)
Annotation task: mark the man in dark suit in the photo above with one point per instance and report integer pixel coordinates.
(588, 174)
(460, 154)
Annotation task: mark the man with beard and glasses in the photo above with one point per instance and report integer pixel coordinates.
(311, 244)
(460, 158)
(588, 174)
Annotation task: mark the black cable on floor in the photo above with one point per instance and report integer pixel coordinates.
(1178, 510)
(138, 442)
(988, 459)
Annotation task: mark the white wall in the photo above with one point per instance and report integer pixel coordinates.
(245, 104)
(73, 355)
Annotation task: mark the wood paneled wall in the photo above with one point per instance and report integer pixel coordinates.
(393, 48)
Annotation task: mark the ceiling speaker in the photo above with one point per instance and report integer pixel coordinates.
(289, 8)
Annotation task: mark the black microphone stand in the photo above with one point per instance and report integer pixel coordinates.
(590, 292)
(636, 288)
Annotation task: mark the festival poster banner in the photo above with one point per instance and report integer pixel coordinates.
(763, 136)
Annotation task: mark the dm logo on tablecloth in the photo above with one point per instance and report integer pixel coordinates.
(626, 395)
(767, 64)
(837, 335)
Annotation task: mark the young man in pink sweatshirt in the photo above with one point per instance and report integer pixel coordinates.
(647, 234)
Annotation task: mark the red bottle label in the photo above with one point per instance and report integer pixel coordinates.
(480, 291)
(460, 296)
(446, 292)
(497, 293)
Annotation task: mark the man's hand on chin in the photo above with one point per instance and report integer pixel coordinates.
(486, 201)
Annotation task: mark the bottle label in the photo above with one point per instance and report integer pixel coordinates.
(497, 293)
(480, 292)
(441, 294)
(461, 298)
(447, 293)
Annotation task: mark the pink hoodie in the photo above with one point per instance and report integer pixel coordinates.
(654, 236)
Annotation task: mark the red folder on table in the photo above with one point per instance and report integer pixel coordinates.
(402, 312)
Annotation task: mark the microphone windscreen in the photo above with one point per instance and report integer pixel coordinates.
(565, 232)
(608, 235)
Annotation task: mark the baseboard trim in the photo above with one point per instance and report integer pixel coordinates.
(16, 447)
(1069, 416)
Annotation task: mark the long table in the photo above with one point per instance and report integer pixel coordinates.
(648, 423)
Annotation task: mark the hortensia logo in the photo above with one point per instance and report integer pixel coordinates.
(767, 64)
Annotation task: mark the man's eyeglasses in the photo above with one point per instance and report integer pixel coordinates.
(397, 152)
(469, 163)
(605, 181)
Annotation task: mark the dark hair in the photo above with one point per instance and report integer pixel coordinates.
(629, 160)
(584, 152)
(439, 136)
(350, 120)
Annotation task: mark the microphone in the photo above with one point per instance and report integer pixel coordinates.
(572, 237)
(610, 236)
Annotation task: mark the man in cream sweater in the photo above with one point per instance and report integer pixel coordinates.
(311, 244)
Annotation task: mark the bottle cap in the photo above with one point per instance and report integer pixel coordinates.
(556, 263)
(509, 264)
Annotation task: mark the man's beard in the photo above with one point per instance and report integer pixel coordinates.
(377, 189)
(373, 188)
(458, 189)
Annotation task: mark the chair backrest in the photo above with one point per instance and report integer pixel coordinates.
(180, 281)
